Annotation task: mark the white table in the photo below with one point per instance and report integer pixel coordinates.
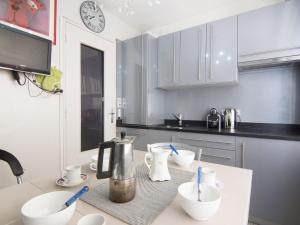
(233, 210)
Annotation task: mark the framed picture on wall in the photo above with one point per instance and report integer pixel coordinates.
(33, 16)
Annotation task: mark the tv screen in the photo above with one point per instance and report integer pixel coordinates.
(21, 51)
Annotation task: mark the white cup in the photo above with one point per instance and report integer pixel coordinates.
(94, 162)
(209, 176)
(92, 219)
(72, 174)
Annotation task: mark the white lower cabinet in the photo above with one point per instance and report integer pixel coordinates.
(275, 196)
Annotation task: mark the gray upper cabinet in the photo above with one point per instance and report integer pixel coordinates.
(137, 80)
(270, 29)
(275, 195)
(221, 63)
(192, 56)
(166, 60)
(199, 56)
(132, 80)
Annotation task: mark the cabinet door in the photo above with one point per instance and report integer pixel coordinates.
(146, 136)
(208, 140)
(166, 60)
(215, 148)
(271, 28)
(221, 63)
(192, 56)
(275, 195)
(139, 134)
(218, 156)
(132, 80)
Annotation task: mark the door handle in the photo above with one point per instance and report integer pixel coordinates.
(243, 155)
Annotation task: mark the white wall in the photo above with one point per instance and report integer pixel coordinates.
(237, 7)
(30, 127)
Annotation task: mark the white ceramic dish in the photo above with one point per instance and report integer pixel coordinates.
(61, 182)
(184, 158)
(199, 210)
(44, 209)
(92, 219)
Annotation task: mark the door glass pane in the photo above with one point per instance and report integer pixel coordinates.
(92, 70)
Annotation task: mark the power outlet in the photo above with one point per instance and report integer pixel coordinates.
(119, 102)
(238, 112)
(124, 102)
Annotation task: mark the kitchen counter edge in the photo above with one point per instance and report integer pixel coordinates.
(291, 136)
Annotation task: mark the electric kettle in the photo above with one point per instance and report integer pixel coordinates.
(121, 170)
(230, 118)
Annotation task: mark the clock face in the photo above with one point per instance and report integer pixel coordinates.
(92, 16)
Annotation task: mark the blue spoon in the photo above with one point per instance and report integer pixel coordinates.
(174, 149)
(75, 197)
(199, 182)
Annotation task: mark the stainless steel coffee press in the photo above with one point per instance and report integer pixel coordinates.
(121, 171)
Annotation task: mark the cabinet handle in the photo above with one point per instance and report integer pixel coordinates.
(218, 142)
(217, 156)
(199, 53)
(174, 57)
(243, 155)
(179, 55)
(210, 50)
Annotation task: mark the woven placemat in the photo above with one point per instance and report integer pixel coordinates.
(150, 200)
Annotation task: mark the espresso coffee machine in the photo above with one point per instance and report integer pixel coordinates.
(121, 171)
(213, 119)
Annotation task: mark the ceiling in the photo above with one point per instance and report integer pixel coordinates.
(146, 18)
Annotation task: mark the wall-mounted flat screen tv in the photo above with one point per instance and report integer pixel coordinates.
(21, 51)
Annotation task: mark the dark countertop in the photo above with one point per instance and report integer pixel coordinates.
(255, 130)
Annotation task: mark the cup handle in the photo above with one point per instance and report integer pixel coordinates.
(93, 166)
(64, 173)
(148, 147)
(148, 159)
(219, 185)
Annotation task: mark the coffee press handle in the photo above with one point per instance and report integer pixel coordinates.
(105, 174)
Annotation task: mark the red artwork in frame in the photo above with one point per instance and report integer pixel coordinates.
(32, 15)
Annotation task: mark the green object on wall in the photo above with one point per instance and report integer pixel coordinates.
(52, 82)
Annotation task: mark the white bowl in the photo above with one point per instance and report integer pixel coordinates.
(44, 209)
(199, 210)
(92, 219)
(184, 158)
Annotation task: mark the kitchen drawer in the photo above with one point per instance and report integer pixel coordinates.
(131, 131)
(218, 156)
(207, 140)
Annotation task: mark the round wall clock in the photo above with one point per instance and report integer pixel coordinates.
(92, 16)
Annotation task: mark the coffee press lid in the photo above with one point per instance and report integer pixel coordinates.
(124, 139)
